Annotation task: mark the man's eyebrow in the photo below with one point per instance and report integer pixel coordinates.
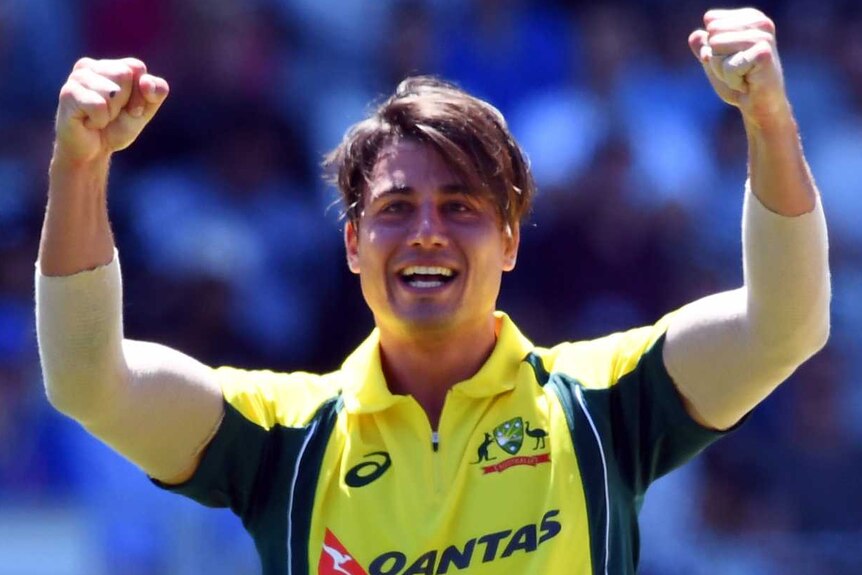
(395, 189)
(404, 190)
(456, 188)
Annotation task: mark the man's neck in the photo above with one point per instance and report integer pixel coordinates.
(427, 366)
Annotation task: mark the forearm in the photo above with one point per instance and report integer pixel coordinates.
(76, 234)
(785, 245)
(778, 173)
(79, 308)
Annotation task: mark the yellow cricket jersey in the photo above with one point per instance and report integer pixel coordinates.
(538, 466)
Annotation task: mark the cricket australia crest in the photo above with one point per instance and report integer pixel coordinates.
(510, 435)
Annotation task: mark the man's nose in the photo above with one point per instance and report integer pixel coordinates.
(429, 228)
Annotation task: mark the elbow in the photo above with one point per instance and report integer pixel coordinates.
(792, 344)
(82, 380)
(813, 333)
(807, 345)
(62, 401)
(64, 395)
(819, 338)
(75, 396)
(61, 396)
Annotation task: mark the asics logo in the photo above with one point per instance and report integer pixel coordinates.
(368, 471)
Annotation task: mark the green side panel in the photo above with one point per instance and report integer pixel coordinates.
(611, 505)
(229, 465)
(644, 432)
(588, 456)
(307, 474)
(252, 471)
(644, 423)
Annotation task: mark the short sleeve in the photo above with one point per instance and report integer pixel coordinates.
(256, 444)
(621, 386)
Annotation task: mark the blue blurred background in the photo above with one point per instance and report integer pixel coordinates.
(232, 250)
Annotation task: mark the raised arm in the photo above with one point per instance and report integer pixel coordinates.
(727, 352)
(154, 405)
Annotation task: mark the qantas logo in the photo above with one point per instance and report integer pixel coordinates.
(335, 559)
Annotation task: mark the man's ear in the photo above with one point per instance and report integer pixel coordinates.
(351, 245)
(511, 240)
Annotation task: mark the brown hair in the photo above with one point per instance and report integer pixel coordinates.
(469, 133)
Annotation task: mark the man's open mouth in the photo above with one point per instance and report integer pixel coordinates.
(424, 277)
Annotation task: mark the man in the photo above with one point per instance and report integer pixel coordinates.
(412, 458)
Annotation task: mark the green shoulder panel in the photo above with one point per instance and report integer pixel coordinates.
(590, 460)
(643, 421)
(268, 478)
(625, 436)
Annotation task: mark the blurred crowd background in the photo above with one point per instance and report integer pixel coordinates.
(231, 245)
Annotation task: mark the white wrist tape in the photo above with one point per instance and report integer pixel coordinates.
(154, 405)
(728, 351)
(80, 334)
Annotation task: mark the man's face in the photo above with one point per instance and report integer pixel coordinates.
(429, 252)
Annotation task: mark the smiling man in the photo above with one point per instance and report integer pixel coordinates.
(446, 442)
(430, 235)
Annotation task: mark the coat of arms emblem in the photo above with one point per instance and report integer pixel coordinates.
(510, 435)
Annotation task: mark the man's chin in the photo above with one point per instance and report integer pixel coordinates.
(424, 322)
(428, 323)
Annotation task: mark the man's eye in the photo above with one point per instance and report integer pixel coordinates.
(458, 207)
(395, 208)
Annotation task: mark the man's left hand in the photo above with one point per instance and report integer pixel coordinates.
(738, 52)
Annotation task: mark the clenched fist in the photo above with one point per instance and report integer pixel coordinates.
(103, 107)
(739, 55)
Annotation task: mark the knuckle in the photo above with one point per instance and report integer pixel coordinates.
(764, 51)
(123, 73)
(767, 38)
(67, 92)
(115, 70)
(762, 58)
(84, 62)
(135, 65)
(79, 74)
(98, 106)
(722, 38)
(751, 14)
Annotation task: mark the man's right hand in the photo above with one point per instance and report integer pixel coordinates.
(104, 106)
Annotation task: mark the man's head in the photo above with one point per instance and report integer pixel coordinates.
(434, 188)
(470, 134)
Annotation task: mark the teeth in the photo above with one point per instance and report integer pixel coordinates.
(424, 284)
(427, 271)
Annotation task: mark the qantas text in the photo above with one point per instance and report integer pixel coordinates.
(486, 548)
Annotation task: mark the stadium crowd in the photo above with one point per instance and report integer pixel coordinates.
(232, 250)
